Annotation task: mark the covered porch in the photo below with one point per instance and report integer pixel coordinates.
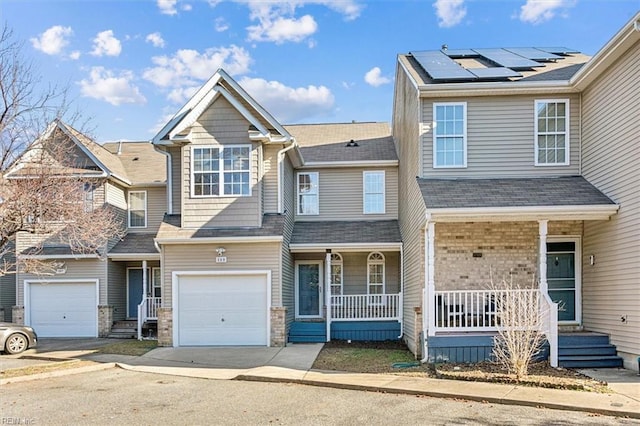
(480, 234)
(348, 281)
(135, 285)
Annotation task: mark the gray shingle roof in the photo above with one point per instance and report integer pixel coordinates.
(135, 243)
(346, 232)
(327, 142)
(272, 226)
(142, 163)
(510, 192)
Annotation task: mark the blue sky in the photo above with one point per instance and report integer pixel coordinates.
(130, 65)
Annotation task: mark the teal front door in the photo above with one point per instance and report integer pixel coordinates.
(562, 279)
(134, 291)
(309, 289)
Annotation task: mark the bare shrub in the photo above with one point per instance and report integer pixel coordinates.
(519, 323)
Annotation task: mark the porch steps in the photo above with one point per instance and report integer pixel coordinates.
(587, 350)
(127, 329)
(308, 332)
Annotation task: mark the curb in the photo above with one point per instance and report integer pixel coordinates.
(435, 394)
(58, 373)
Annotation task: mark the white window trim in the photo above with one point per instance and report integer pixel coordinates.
(384, 278)
(577, 240)
(567, 137)
(364, 191)
(317, 174)
(146, 210)
(220, 149)
(464, 134)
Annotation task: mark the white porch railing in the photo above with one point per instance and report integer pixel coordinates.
(147, 310)
(366, 307)
(475, 310)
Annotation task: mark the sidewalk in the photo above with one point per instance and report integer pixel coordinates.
(292, 364)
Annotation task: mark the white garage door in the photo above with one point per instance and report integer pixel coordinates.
(63, 309)
(221, 310)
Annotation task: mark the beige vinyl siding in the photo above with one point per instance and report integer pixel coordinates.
(240, 257)
(270, 178)
(411, 214)
(221, 124)
(116, 200)
(288, 206)
(611, 149)
(501, 138)
(156, 208)
(89, 269)
(176, 178)
(354, 270)
(341, 194)
(117, 292)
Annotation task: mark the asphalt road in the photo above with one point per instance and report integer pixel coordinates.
(116, 397)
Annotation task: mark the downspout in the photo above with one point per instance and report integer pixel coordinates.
(425, 295)
(401, 302)
(169, 180)
(280, 172)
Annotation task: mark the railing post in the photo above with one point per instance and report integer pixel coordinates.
(327, 264)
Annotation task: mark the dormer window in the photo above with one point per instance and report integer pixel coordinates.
(552, 132)
(221, 171)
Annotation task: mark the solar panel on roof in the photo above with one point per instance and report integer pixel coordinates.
(441, 67)
(496, 73)
(460, 53)
(558, 50)
(508, 59)
(533, 53)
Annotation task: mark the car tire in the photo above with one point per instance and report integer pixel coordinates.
(16, 343)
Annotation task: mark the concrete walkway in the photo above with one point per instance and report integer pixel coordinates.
(292, 364)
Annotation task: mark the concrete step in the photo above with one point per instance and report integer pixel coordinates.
(122, 335)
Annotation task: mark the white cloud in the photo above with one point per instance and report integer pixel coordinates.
(53, 40)
(282, 29)
(277, 21)
(186, 7)
(155, 39)
(449, 12)
(188, 68)
(106, 44)
(104, 85)
(75, 55)
(167, 7)
(375, 78)
(221, 25)
(181, 94)
(289, 104)
(538, 11)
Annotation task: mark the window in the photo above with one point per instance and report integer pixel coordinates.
(552, 132)
(336, 275)
(308, 193)
(156, 280)
(373, 192)
(219, 171)
(450, 135)
(375, 278)
(138, 209)
(87, 192)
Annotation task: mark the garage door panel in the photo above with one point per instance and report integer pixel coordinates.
(222, 310)
(63, 309)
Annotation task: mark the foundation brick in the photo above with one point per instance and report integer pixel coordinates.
(17, 314)
(165, 327)
(105, 320)
(278, 326)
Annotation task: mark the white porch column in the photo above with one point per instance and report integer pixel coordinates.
(542, 256)
(431, 278)
(142, 307)
(327, 294)
(144, 280)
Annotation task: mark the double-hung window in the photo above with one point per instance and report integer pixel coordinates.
(373, 192)
(450, 134)
(137, 209)
(552, 132)
(308, 193)
(221, 171)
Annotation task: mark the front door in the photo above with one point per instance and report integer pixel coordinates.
(563, 279)
(134, 291)
(309, 289)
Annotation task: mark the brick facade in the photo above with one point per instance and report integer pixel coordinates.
(105, 320)
(165, 327)
(469, 254)
(278, 326)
